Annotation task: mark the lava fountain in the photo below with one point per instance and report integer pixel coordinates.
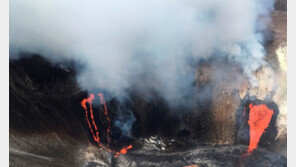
(259, 119)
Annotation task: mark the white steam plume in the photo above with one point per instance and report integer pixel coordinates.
(147, 43)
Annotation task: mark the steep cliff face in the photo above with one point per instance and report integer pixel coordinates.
(46, 125)
(227, 87)
(43, 97)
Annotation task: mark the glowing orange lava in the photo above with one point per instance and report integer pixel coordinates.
(259, 118)
(106, 114)
(92, 123)
(123, 150)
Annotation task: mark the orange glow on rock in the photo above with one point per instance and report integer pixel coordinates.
(123, 150)
(92, 123)
(105, 111)
(259, 118)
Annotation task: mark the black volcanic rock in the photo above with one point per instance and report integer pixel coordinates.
(43, 97)
(48, 128)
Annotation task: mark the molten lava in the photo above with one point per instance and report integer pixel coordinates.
(123, 150)
(106, 114)
(92, 123)
(259, 118)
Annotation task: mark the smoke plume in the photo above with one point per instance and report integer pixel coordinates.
(144, 44)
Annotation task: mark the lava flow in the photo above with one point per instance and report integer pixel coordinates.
(259, 118)
(92, 123)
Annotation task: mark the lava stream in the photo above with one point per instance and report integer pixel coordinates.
(107, 117)
(92, 123)
(259, 118)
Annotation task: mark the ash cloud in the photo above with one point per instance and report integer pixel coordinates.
(146, 44)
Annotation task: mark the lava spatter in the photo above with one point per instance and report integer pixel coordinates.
(92, 123)
(259, 119)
